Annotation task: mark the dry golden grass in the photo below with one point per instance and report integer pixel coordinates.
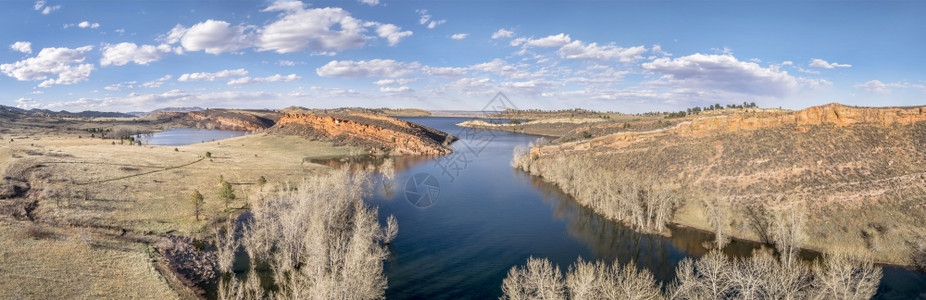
(47, 263)
(145, 189)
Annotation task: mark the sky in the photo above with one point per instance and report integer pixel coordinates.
(624, 56)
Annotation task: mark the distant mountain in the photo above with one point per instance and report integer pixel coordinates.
(165, 110)
(64, 113)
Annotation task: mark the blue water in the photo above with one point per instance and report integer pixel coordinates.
(487, 217)
(187, 136)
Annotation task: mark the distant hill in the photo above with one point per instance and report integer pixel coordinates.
(166, 110)
(64, 113)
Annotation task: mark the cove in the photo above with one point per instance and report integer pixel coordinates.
(186, 136)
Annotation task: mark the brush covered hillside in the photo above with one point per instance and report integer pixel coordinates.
(858, 174)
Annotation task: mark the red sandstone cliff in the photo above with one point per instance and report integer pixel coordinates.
(381, 133)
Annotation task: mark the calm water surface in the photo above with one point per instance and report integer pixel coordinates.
(489, 217)
(187, 136)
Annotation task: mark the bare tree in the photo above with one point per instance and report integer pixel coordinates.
(391, 230)
(582, 280)
(718, 217)
(788, 232)
(705, 278)
(538, 280)
(320, 241)
(840, 276)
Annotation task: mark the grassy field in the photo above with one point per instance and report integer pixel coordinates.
(100, 203)
(145, 189)
(41, 262)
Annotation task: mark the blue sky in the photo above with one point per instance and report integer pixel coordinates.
(627, 56)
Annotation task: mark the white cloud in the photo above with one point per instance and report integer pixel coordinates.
(471, 84)
(722, 72)
(65, 63)
(206, 76)
(24, 47)
(425, 19)
(550, 41)
(157, 82)
(874, 86)
(878, 87)
(370, 2)
(497, 66)
(819, 63)
(286, 63)
(433, 24)
(459, 36)
(211, 36)
(393, 34)
(27, 103)
(802, 70)
(394, 81)
(787, 63)
(579, 50)
(176, 97)
(502, 34)
(657, 50)
(123, 53)
(318, 29)
(120, 86)
(444, 71)
(389, 89)
(324, 31)
(273, 78)
(47, 8)
(86, 24)
(366, 68)
(518, 41)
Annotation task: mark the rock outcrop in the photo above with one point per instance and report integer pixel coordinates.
(837, 114)
(378, 132)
